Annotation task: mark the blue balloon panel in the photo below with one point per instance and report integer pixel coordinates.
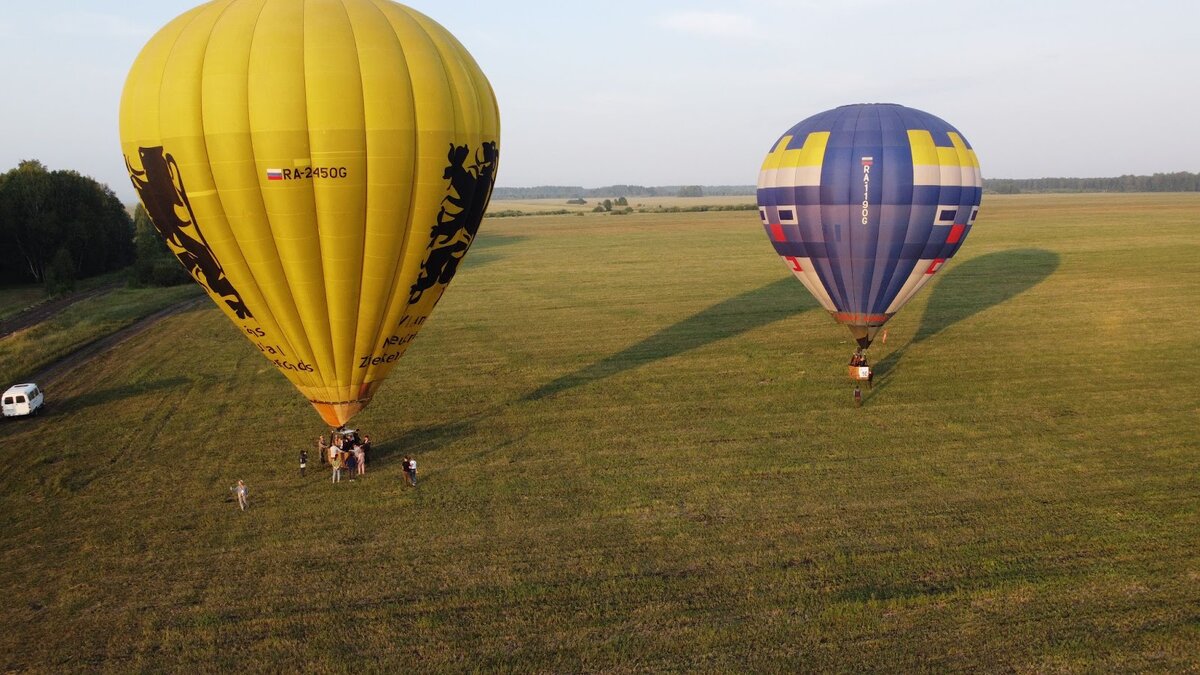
(865, 203)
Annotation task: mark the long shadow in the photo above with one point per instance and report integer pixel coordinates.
(483, 250)
(972, 287)
(774, 302)
(422, 440)
(113, 394)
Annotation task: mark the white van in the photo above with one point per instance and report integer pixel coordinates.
(22, 399)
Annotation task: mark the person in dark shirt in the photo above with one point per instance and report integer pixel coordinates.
(303, 462)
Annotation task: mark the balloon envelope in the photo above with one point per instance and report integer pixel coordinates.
(865, 203)
(320, 167)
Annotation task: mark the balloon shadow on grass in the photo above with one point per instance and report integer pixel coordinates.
(484, 249)
(422, 440)
(728, 318)
(114, 394)
(972, 287)
(430, 439)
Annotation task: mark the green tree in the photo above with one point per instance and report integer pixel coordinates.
(44, 211)
(60, 274)
(154, 265)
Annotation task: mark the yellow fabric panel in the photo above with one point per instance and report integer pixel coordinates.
(314, 139)
(140, 97)
(336, 140)
(390, 126)
(184, 130)
(236, 51)
(161, 107)
(924, 152)
(966, 156)
(812, 153)
(434, 115)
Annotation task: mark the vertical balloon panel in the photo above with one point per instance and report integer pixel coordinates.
(320, 167)
(865, 203)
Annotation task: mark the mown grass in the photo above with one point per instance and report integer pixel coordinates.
(541, 206)
(639, 453)
(30, 350)
(15, 299)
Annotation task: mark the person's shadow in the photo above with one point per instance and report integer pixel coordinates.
(967, 289)
(753, 309)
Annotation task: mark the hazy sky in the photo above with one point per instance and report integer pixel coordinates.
(679, 92)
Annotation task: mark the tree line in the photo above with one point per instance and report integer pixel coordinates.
(614, 191)
(1179, 181)
(60, 226)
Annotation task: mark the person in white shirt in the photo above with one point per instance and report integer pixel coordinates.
(242, 495)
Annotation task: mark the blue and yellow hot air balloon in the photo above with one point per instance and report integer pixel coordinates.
(865, 203)
(320, 167)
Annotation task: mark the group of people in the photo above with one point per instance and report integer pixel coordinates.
(345, 451)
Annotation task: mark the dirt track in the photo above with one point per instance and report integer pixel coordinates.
(39, 313)
(85, 353)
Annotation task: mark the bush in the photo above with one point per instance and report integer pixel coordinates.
(60, 275)
(168, 273)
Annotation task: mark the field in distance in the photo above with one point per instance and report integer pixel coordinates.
(639, 452)
(544, 205)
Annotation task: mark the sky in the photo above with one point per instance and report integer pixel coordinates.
(695, 92)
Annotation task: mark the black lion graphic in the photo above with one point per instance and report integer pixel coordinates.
(467, 196)
(160, 186)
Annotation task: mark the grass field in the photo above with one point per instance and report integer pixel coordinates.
(30, 350)
(535, 206)
(639, 453)
(17, 298)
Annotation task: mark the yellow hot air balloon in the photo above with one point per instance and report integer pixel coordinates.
(320, 167)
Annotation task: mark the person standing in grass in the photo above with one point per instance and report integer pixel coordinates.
(322, 449)
(334, 449)
(360, 459)
(303, 461)
(857, 396)
(412, 471)
(366, 451)
(242, 495)
(335, 460)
